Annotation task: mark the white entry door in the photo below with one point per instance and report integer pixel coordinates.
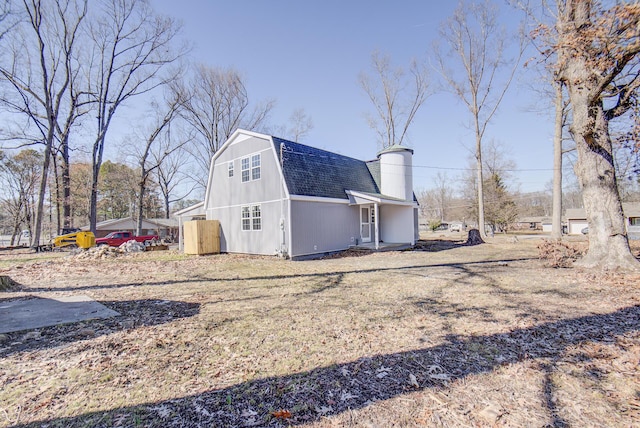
(365, 224)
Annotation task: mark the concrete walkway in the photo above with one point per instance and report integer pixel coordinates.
(29, 313)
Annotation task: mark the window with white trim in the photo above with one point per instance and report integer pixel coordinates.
(255, 167)
(251, 217)
(231, 169)
(256, 218)
(245, 169)
(634, 221)
(246, 218)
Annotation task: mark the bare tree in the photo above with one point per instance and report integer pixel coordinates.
(476, 43)
(396, 98)
(218, 104)
(40, 89)
(440, 196)
(297, 127)
(132, 47)
(598, 61)
(19, 176)
(6, 15)
(146, 156)
(170, 173)
(542, 13)
(300, 125)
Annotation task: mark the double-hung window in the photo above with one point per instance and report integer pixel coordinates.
(256, 218)
(246, 218)
(251, 217)
(245, 169)
(251, 168)
(255, 167)
(231, 169)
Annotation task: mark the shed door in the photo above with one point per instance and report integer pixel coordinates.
(365, 224)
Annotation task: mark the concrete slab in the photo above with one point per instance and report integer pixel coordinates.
(29, 313)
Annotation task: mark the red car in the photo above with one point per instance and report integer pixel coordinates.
(115, 239)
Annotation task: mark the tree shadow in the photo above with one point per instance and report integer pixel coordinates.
(133, 314)
(260, 278)
(435, 245)
(331, 390)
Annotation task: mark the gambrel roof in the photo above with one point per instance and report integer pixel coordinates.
(309, 171)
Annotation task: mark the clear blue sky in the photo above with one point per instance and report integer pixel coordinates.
(308, 54)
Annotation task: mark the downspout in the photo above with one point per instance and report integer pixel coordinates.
(283, 243)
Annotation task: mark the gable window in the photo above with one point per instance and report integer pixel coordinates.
(255, 167)
(245, 169)
(246, 218)
(231, 169)
(251, 218)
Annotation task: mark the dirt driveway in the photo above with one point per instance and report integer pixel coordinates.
(452, 336)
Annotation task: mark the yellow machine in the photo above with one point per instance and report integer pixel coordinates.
(80, 239)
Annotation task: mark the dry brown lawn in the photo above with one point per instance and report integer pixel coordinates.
(448, 336)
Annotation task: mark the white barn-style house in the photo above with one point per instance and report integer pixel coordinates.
(274, 196)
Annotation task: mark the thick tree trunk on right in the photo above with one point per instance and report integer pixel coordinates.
(608, 243)
(589, 74)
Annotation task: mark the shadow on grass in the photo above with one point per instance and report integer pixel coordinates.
(327, 391)
(201, 278)
(434, 245)
(133, 314)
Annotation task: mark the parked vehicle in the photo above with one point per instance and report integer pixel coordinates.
(115, 239)
(455, 227)
(78, 239)
(585, 231)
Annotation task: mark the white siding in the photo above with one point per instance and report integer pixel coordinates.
(394, 220)
(576, 226)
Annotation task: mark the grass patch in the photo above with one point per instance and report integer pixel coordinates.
(451, 335)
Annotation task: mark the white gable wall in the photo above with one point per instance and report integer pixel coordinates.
(227, 195)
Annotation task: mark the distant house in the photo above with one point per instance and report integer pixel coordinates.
(162, 227)
(530, 223)
(274, 196)
(577, 219)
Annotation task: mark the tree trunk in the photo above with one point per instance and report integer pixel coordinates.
(483, 234)
(96, 161)
(66, 189)
(474, 237)
(556, 217)
(37, 228)
(142, 190)
(608, 243)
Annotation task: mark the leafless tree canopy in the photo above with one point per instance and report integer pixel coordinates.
(218, 104)
(475, 42)
(39, 68)
(396, 98)
(132, 49)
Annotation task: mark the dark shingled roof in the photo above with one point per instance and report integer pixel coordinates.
(313, 172)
